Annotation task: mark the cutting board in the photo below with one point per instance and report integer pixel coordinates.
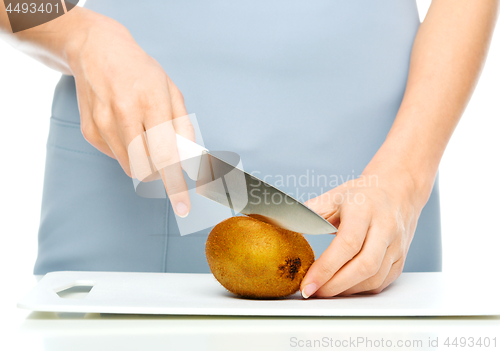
(413, 294)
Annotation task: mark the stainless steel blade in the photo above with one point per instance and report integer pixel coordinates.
(228, 185)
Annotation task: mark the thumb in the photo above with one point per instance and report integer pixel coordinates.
(325, 205)
(314, 203)
(328, 206)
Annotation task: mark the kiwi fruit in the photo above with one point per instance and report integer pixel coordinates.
(257, 260)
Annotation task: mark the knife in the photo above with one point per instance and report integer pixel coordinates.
(221, 180)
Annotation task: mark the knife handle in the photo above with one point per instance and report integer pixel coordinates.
(190, 150)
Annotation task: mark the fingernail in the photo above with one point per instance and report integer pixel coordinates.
(309, 290)
(181, 209)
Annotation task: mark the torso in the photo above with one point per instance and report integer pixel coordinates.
(297, 88)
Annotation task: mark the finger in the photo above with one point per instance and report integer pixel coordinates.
(162, 146)
(87, 125)
(182, 123)
(326, 205)
(346, 244)
(394, 273)
(334, 219)
(373, 282)
(93, 137)
(115, 135)
(140, 165)
(168, 155)
(183, 126)
(118, 138)
(365, 265)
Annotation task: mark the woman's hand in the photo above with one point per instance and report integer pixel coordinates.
(376, 217)
(122, 92)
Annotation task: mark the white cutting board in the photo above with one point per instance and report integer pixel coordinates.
(413, 294)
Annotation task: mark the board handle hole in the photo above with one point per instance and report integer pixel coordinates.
(75, 292)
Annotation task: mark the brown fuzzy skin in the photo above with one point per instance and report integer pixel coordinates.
(257, 260)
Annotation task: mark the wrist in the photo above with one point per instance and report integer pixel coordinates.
(89, 28)
(402, 177)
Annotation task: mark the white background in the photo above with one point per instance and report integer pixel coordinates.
(470, 189)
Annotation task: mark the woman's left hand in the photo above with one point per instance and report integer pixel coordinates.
(376, 218)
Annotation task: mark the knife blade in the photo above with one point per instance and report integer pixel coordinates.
(249, 195)
(223, 182)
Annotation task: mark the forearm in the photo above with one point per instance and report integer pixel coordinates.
(55, 42)
(446, 61)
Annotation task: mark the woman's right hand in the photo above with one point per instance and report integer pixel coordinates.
(122, 92)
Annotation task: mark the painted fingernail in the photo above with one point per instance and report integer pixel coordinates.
(181, 209)
(309, 290)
